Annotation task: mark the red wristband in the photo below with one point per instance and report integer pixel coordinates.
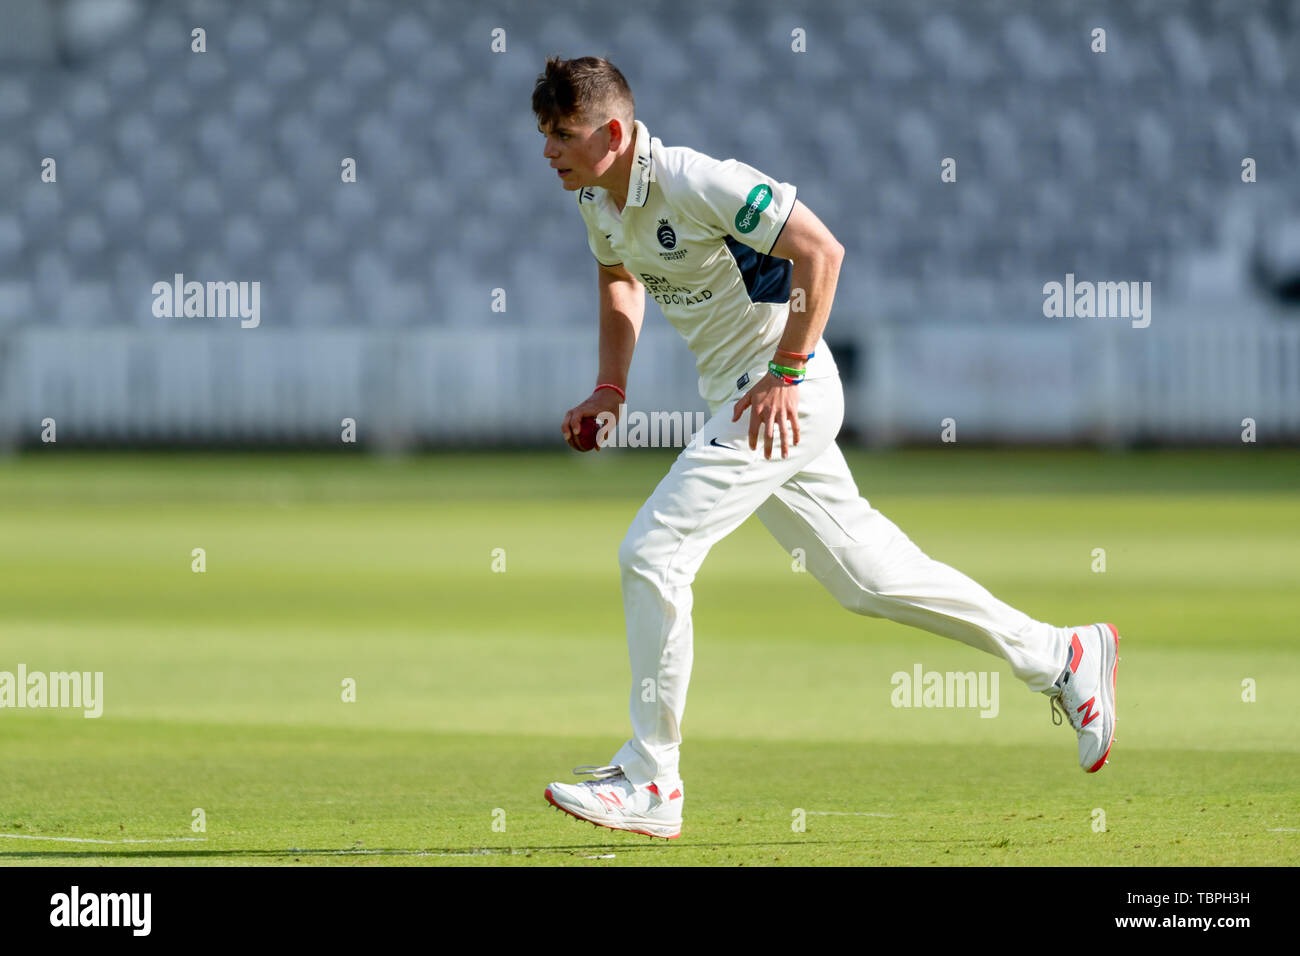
(621, 394)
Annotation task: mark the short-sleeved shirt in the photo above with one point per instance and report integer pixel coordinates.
(698, 233)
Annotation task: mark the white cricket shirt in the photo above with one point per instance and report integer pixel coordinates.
(698, 232)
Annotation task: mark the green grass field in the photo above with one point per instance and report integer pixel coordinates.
(475, 688)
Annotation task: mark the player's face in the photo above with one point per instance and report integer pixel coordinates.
(578, 152)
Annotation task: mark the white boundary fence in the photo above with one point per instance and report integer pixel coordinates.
(1066, 380)
(1103, 382)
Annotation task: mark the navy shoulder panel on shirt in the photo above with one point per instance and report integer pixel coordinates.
(767, 278)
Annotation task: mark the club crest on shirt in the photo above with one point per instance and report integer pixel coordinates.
(668, 239)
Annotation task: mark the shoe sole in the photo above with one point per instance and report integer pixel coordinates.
(596, 823)
(1110, 645)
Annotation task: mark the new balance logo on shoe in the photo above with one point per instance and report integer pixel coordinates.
(612, 801)
(1085, 691)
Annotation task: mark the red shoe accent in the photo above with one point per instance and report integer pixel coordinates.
(551, 800)
(1076, 654)
(1089, 713)
(1100, 763)
(653, 788)
(675, 795)
(1114, 674)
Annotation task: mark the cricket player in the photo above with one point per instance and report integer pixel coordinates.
(720, 245)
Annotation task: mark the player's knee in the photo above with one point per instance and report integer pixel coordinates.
(859, 581)
(633, 552)
(863, 601)
(854, 595)
(649, 553)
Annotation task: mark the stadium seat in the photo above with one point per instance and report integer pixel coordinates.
(170, 160)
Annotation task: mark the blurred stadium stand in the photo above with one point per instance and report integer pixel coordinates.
(225, 166)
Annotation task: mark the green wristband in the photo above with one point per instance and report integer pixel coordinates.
(785, 370)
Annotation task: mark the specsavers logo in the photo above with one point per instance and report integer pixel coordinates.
(755, 203)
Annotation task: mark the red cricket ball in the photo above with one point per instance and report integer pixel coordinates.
(587, 432)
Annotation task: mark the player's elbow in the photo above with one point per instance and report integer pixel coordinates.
(824, 248)
(828, 253)
(834, 251)
(824, 253)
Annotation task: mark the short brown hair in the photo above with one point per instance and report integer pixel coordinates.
(589, 88)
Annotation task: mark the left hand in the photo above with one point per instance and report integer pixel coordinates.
(774, 404)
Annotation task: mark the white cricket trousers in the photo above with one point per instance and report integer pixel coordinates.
(807, 501)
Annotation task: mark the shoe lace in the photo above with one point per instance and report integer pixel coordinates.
(600, 773)
(1058, 710)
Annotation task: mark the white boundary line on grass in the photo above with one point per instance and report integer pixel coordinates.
(845, 813)
(349, 852)
(29, 836)
(479, 852)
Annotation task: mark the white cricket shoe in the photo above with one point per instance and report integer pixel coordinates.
(1085, 691)
(613, 801)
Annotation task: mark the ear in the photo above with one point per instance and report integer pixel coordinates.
(617, 134)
